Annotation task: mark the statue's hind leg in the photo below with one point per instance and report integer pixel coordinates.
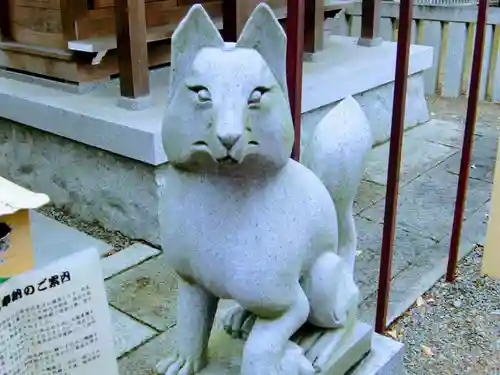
(331, 291)
(333, 297)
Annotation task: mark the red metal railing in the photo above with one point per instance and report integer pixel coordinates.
(295, 24)
(294, 52)
(396, 145)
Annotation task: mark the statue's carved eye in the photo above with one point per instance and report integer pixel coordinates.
(256, 95)
(202, 93)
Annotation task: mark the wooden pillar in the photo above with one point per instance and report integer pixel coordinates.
(370, 23)
(132, 48)
(5, 31)
(314, 25)
(235, 14)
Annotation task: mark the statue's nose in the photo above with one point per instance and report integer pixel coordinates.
(229, 140)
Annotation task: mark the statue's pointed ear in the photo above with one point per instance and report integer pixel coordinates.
(264, 33)
(193, 33)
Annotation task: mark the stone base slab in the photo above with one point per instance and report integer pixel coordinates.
(344, 349)
(385, 357)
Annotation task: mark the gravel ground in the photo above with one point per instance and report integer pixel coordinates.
(454, 328)
(118, 240)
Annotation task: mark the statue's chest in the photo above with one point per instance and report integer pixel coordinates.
(215, 231)
(211, 205)
(206, 215)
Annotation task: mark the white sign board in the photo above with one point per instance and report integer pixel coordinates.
(56, 320)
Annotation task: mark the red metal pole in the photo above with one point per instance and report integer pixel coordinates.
(294, 52)
(470, 125)
(396, 143)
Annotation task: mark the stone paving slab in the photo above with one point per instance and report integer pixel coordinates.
(368, 194)
(426, 205)
(426, 269)
(143, 360)
(446, 133)
(418, 156)
(127, 258)
(487, 130)
(148, 292)
(483, 159)
(421, 152)
(454, 111)
(128, 333)
(53, 240)
(407, 246)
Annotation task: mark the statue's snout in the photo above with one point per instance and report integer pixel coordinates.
(230, 128)
(228, 140)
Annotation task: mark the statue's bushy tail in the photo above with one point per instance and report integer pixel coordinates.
(337, 153)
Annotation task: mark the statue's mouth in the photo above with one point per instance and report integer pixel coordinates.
(228, 160)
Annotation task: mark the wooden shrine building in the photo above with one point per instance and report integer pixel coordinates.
(85, 41)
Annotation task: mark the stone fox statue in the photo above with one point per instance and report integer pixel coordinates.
(240, 219)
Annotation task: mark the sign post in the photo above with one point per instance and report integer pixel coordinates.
(491, 255)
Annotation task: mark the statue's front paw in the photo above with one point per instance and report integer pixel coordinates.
(238, 322)
(294, 362)
(178, 365)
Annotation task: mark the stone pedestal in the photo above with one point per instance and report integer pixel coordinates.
(360, 352)
(385, 358)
